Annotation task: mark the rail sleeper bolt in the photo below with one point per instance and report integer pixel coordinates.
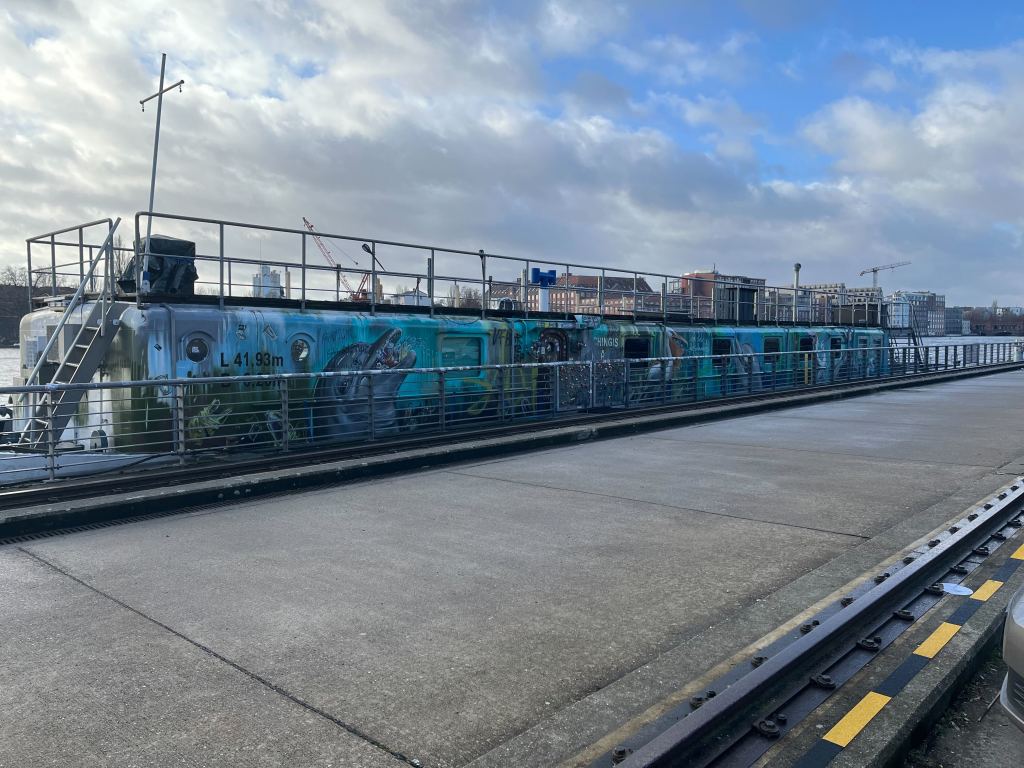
(870, 643)
(757, 661)
(973, 516)
(933, 543)
(696, 701)
(768, 728)
(988, 506)
(954, 528)
(908, 559)
(1015, 523)
(619, 754)
(982, 551)
(960, 569)
(1002, 495)
(781, 717)
(934, 589)
(999, 536)
(881, 577)
(824, 681)
(848, 600)
(903, 614)
(710, 694)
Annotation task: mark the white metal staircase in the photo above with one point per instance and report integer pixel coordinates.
(55, 407)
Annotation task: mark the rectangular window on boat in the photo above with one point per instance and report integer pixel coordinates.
(636, 348)
(719, 348)
(458, 351)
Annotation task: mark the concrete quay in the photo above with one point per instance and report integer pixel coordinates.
(512, 611)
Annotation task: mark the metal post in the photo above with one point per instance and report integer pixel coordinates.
(370, 411)
(53, 266)
(285, 417)
(142, 279)
(526, 290)
(430, 281)
(373, 278)
(593, 383)
(51, 438)
(180, 436)
(664, 300)
(81, 255)
(28, 254)
(501, 395)
(483, 284)
(664, 381)
(220, 240)
(600, 294)
(443, 401)
(302, 294)
(635, 278)
(556, 371)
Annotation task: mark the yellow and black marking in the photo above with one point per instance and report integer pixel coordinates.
(858, 717)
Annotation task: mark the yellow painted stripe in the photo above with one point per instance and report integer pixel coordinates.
(937, 640)
(1019, 554)
(986, 590)
(853, 722)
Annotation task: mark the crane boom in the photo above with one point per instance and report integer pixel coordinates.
(875, 270)
(330, 258)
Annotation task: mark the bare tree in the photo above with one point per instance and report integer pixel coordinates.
(470, 297)
(11, 275)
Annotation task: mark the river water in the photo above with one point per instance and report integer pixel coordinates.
(10, 366)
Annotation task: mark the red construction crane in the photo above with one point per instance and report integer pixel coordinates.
(355, 294)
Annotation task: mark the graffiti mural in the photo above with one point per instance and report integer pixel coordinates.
(342, 403)
(610, 363)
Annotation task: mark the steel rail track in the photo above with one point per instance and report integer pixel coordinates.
(214, 466)
(746, 711)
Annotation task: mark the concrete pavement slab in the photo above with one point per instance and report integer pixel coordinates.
(86, 682)
(441, 614)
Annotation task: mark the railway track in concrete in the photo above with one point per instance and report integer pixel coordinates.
(748, 711)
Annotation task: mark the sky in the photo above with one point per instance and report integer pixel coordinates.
(657, 135)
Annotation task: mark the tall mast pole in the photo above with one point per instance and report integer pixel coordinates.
(143, 278)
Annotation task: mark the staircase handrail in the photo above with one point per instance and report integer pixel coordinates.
(104, 250)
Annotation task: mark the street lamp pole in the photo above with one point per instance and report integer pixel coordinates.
(143, 278)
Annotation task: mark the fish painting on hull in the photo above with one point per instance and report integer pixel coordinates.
(341, 402)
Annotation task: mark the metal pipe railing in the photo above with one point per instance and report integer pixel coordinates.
(189, 417)
(712, 298)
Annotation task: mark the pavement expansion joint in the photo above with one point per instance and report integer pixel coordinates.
(663, 505)
(825, 451)
(254, 676)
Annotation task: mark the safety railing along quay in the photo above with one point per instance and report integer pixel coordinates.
(120, 424)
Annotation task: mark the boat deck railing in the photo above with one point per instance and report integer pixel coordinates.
(123, 425)
(240, 261)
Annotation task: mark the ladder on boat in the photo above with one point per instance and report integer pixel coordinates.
(54, 409)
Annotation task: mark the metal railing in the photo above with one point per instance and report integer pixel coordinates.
(122, 424)
(446, 279)
(88, 273)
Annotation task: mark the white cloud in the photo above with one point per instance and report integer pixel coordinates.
(395, 120)
(676, 61)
